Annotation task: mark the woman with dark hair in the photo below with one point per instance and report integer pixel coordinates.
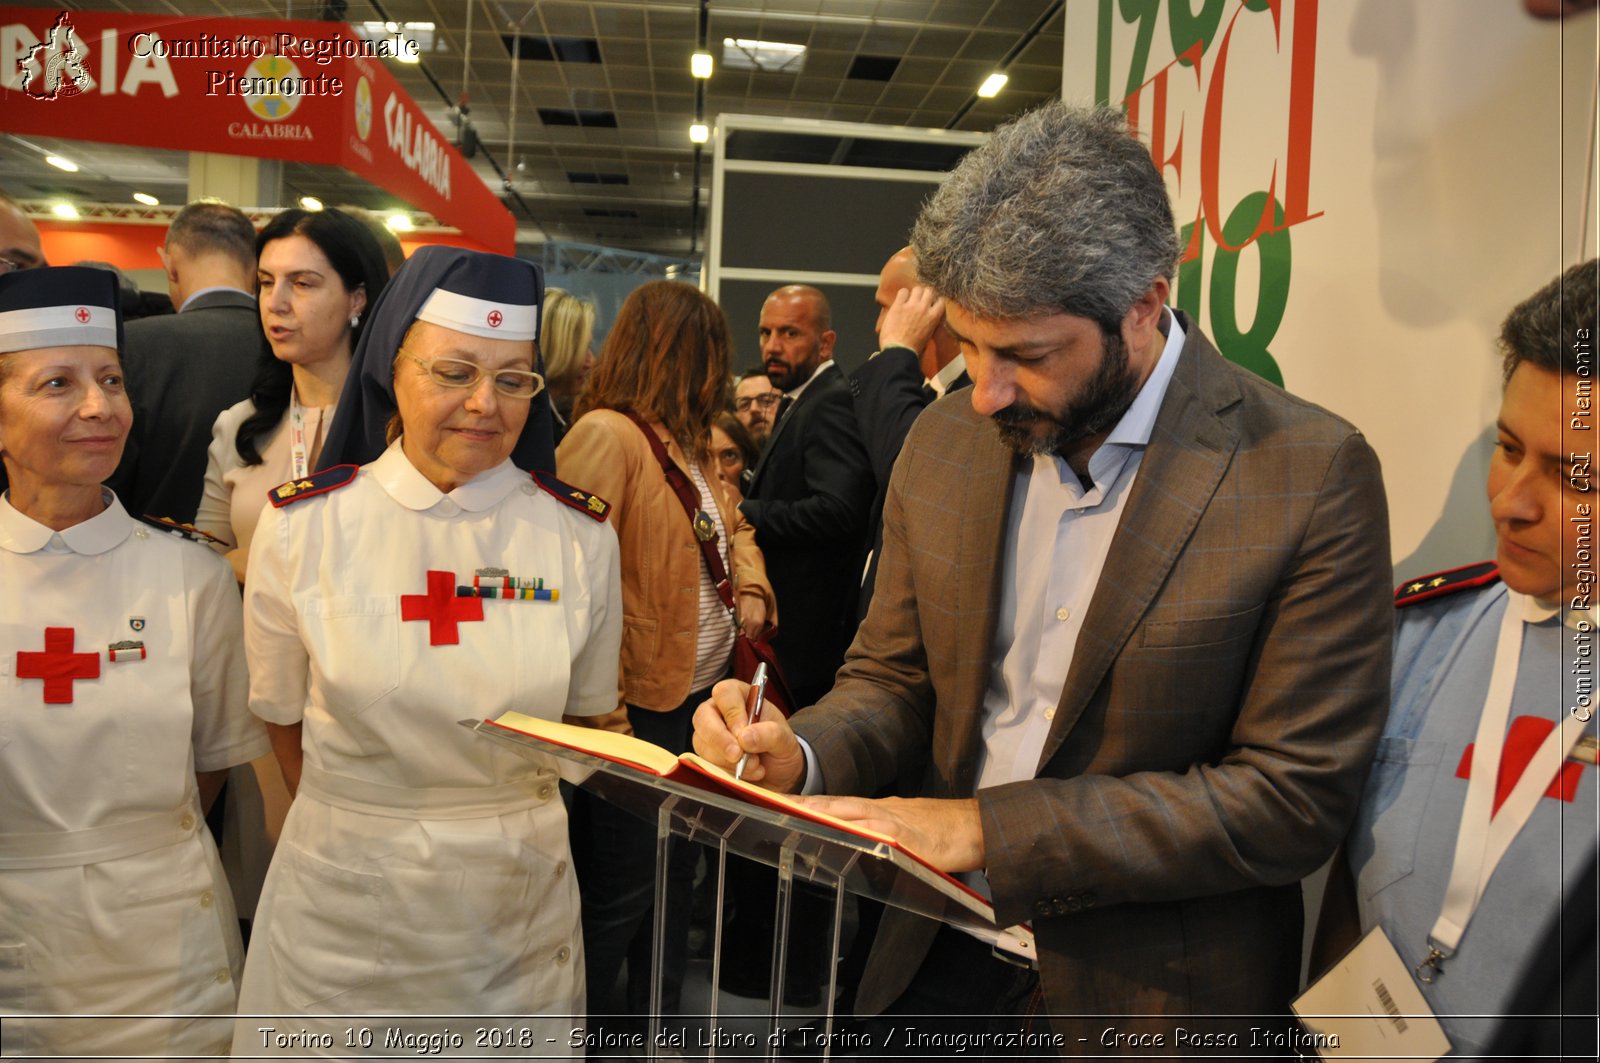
(318, 271)
(643, 421)
(734, 449)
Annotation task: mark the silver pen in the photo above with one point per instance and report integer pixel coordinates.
(752, 710)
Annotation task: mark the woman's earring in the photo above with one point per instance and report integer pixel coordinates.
(355, 320)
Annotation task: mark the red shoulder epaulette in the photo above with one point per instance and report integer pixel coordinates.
(318, 483)
(1439, 584)
(183, 531)
(591, 505)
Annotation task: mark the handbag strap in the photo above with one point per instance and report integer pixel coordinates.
(689, 495)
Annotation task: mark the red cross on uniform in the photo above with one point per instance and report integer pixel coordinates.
(58, 666)
(495, 319)
(82, 315)
(441, 609)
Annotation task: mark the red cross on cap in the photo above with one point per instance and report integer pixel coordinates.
(495, 318)
(82, 315)
(441, 608)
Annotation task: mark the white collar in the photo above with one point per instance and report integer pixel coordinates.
(940, 382)
(795, 392)
(104, 531)
(1535, 611)
(396, 475)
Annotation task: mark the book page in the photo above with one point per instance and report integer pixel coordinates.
(609, 745)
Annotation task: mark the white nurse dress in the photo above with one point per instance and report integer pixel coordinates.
(423, 870)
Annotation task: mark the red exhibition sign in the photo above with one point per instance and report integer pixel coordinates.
(293, 90)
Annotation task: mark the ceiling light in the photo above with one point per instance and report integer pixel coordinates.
(774, 57)
(65, 210)
(408, 56)
(61, 164)
(992, 85)
(147, 199)
(700, 64)
(310, 202)
(699, 133)
(399, 223)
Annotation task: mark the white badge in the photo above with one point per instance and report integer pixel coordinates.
(1367, 1005)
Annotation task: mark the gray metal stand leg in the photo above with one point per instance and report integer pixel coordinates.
(833, 969)
(716, 941)
(659, 925)
(780, 943)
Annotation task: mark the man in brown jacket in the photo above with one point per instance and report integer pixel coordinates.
(1131, 630)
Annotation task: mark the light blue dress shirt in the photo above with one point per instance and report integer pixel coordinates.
(1043, 598)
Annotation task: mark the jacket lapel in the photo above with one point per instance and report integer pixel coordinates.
(1190, 449)
(817, 384)
(978, 574)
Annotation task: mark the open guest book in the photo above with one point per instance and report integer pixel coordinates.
(713, 804)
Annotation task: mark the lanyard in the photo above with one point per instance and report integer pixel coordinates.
(1485, 835)
(299, 461)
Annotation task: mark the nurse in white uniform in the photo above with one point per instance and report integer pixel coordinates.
(424, 871)
(122, 705)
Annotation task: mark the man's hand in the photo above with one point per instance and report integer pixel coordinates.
(948, 833)
(722, 734)
(911, 321)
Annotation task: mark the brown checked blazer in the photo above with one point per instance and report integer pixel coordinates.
(1213, 735)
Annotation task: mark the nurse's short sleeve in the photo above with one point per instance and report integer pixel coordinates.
(224, 733)
(597, 559)
(279, 665)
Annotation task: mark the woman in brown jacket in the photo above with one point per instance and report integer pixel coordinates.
(662, 375)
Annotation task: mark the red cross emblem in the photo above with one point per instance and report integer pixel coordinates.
(495, 318)
(441, 608)
(1522, 741)
(58, 666)
(82, 315)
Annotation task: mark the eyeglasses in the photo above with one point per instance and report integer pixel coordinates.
(730, 456)
(454, 373)
(766, 402)
(11, 265)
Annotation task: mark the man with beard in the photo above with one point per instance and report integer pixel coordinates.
(755, 404)
(1131, 633)
(811, 491)
(808, 501)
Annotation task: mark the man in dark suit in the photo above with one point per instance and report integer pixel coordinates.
(185, 368)
(917, 361)
(1131, 630)
(811, 491)
(808, 502)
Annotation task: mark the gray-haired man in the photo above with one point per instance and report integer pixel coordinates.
(1131, 629)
